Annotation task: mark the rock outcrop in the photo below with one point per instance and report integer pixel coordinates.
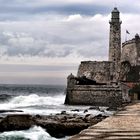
(16, 122)
(58, 125)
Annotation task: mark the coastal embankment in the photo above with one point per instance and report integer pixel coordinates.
(124, 124)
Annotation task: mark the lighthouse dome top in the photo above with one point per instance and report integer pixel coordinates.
(115, 10)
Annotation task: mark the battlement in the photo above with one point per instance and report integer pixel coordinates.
(129, 42)
(134, 40)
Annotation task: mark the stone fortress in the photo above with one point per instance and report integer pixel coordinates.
(107, 83)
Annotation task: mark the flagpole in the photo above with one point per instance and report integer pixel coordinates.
(125, 37)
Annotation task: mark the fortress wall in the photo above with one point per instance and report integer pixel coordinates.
(129, 52)
(101, 72)
(96, 95)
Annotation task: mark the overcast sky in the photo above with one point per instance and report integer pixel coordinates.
(42, 41)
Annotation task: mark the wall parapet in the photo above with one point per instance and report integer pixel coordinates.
(129, 42)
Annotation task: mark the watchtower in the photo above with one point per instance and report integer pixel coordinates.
(115, 41)
(115, 37)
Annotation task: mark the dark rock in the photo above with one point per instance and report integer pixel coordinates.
(90, 119)
(112, 109)
(63, 112)
(59, 130)
(16, 122)
(85, 111)
(87, 115)
(58, 126)
(77, 110)
(38, 116)
(4, 111)
(99, 116)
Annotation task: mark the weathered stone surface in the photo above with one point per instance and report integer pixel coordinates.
(101, 72)
(131, 51)
(101, 95)
(115, 37)
(131, 57)
(115, 42)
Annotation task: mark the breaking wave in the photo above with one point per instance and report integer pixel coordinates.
(34, 133)
(32, 100)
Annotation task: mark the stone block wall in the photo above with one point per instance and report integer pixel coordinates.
(131, 51)
(95, 95)
(101, 72)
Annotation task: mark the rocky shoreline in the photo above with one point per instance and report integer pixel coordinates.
(58, 125)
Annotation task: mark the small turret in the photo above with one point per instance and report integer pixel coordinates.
(71, 81)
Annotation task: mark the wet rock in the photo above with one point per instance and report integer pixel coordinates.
(111, 109)
(38, 116)
(85, 111)
(59, 130)
(100, 117)
(4, 111)
(76, 110)
(16, 122)
(63, 112)
(58, 126)
(88, 118)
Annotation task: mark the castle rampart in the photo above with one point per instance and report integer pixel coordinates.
(96, 95)
(101, 71)
(104, 83)
(131, 51)
(129, 42)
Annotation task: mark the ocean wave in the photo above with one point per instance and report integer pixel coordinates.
(32, 100)
(34, 133)
(5, 97)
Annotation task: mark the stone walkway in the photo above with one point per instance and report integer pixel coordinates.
(125, 125)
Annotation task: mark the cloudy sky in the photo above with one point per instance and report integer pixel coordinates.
(42, 41)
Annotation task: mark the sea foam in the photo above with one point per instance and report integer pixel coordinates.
(34, 133)
(32, 100)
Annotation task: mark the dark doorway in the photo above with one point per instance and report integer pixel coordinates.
(138, 96)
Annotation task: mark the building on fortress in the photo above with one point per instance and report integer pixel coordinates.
(107, 83)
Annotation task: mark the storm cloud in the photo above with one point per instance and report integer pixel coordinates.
(59, 32)
(54, 38)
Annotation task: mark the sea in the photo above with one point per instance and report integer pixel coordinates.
(36, 99)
